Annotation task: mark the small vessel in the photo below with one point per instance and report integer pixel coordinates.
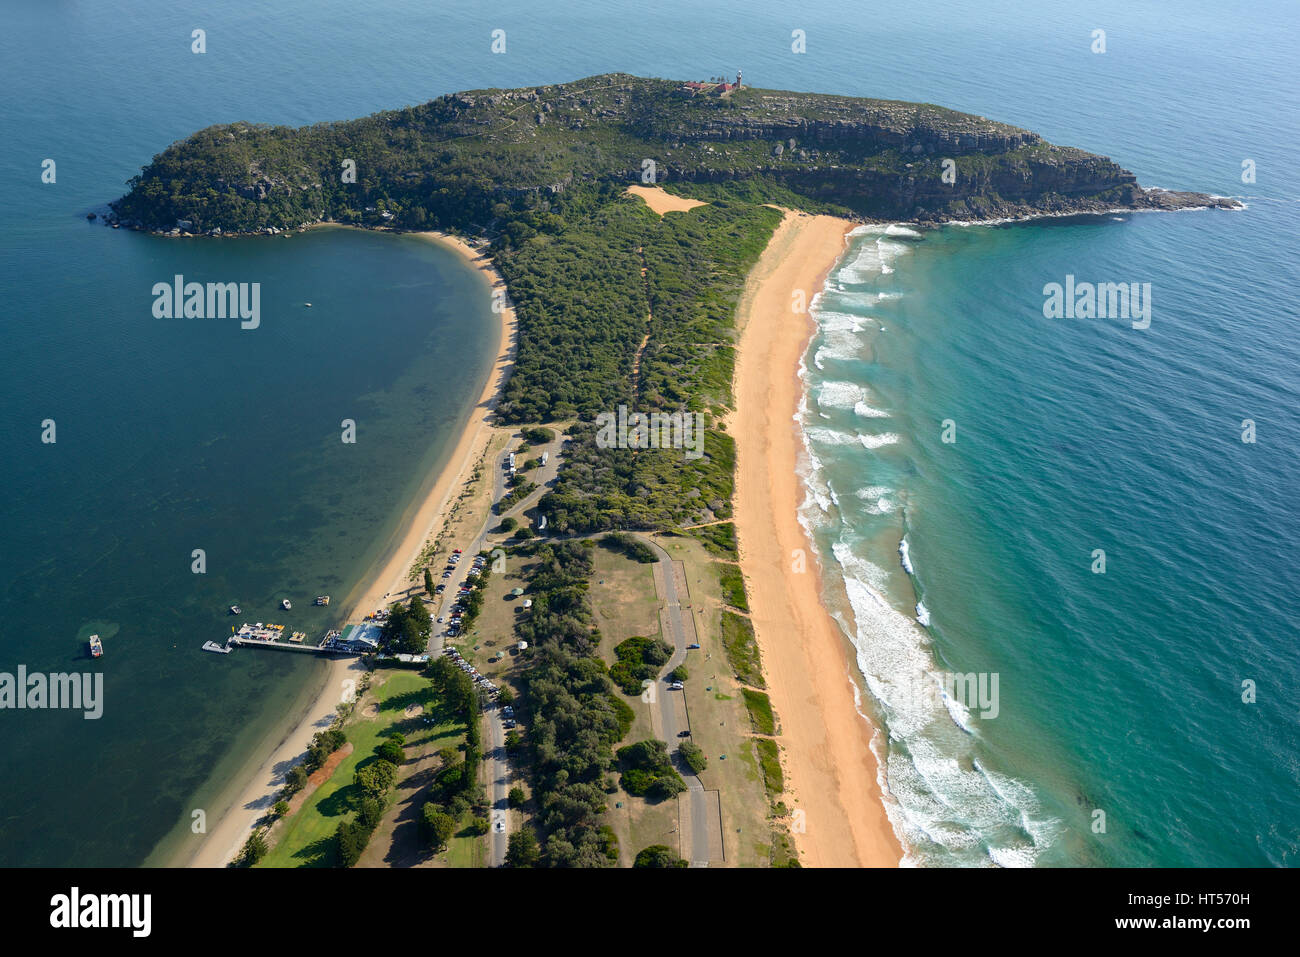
(322, 600)
(96, 647)
(307, 304)
(236, 610)
(286, 604)
(298, 637)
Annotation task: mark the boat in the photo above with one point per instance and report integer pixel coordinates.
(96, 647)
(307, 304)
(322, 600)
(236, 610)
(286, 604)
(298, 637)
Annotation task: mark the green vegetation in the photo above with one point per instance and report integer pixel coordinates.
(638, 660)
(407, 629)
(537, 435)
(693, 755)
(254, 849)
(733, 586)
(658, 855)
(760, 711)
(719, 540)
(522, 489)
(769, 760)
(680, 673)
(309, 836)
(436, 827)
(429, 586)
(522, 849)
(742, 649)
(571, 702)
(507, 525)
(648, 772)
(516, 797)
(629, 545)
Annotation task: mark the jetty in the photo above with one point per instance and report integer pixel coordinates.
(258, 635)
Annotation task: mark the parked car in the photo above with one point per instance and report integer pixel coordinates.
(676, 686)
(692, 646)
(683, 734)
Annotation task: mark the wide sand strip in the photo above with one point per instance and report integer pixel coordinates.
(830, 769)
(664, 202)
(224, 840)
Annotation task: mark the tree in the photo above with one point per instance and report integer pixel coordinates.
(436, 826)
(516, 797)
(428, 582)
(693, 755)
(254, 849)
(658, 855)
(391, 751)
(507, 525)
(349, 841)
(280, 809)
(505, 696)
(522, 850)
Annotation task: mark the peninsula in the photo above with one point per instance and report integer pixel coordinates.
(669, 298)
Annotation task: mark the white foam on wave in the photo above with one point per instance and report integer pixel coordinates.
(825, 436)
(922, 614)
(944, 807)
(840, 395)
(869, 412)
(875, 441)
(904, 556)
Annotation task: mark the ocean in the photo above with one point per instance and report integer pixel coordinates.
(1118, 693)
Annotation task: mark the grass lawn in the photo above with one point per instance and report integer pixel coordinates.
(306, 838)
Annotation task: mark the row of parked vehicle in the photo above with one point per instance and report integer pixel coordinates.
(484, 684)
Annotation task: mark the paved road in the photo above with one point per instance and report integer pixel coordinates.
(494, 758)
(544, 476)
(669, 713)
(498, 772)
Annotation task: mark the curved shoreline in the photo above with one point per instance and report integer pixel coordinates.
(230, 829)
(831, 769)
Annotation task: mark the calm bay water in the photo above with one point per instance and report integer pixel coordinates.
(1118, 692)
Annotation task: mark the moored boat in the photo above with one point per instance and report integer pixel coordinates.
(286, 604)
(96, 647)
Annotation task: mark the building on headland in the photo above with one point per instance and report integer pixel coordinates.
(714, 87)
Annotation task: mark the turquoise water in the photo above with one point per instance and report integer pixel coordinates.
(1118, 692)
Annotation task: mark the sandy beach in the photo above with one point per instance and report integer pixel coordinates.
(830, 769)
(227, 834)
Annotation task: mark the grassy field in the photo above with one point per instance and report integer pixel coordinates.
(305, 839)
(624, 603)
(623, 599)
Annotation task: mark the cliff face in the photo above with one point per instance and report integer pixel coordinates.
(454, 161)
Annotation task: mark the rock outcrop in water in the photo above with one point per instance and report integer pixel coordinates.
(470, 160)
